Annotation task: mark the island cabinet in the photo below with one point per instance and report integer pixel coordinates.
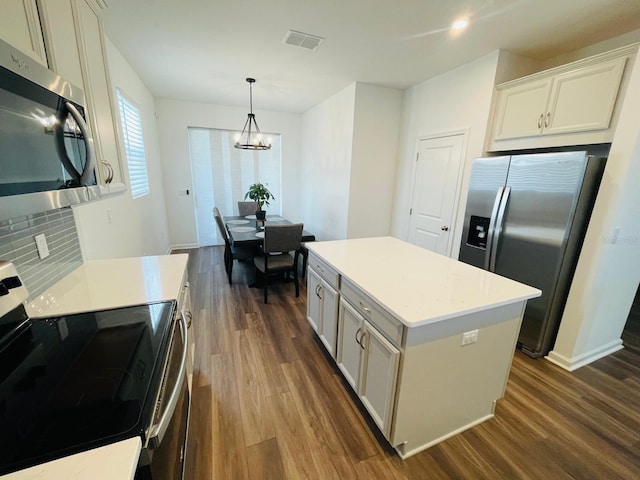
(568, 105)
(322, 301)
(426, 342)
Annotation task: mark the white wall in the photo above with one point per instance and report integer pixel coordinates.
(455, 101)
(327, 135)
(119, 226)
(608, 270)
(373, 160)
(174, 118)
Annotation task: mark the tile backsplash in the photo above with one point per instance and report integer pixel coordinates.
(18, 245)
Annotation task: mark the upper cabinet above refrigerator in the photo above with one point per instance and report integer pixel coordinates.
(575, 104)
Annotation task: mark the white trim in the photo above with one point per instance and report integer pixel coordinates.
(184, 246)
(586, 358)
(421, 448)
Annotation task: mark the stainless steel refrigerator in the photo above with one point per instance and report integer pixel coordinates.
(525, 219)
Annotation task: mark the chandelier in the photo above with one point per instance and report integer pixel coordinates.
(251, 133)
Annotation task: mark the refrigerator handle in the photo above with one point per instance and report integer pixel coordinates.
(498, 228)
(492, 226)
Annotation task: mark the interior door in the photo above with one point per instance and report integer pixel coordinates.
(435, 190)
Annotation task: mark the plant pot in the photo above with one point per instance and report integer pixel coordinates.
(261, 214)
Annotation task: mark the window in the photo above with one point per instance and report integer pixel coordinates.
(222, 175)
(134, 146)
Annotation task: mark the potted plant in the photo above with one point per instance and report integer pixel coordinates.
(259, 193)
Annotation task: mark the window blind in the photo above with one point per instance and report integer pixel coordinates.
(131, 123)
(222, 175)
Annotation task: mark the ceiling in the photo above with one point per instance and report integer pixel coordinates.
(202, 50)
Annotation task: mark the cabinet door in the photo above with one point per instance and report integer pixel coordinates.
(583, 99)
(329, 316)
(380, 372)
(20, 27)
(314, 305)
(520, 110)
(60, 38)
(348, 358)
(97, 87)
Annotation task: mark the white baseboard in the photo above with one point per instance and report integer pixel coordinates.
(186, 246)
(421, 448)
(586, 358)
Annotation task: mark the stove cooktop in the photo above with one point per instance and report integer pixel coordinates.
(76, 382)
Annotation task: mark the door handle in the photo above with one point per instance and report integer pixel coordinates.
(540, 118)
(444, 228)
(358, 340)
(88, 143)
(492, 226)
(547, 120)
(498, 228)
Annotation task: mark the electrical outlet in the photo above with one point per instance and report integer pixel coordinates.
(469, 337)
(43, 248)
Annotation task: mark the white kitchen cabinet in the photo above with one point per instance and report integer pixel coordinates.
(20, 27)
(76, 48)
(322, 312)
(369, 363)
(568, 105)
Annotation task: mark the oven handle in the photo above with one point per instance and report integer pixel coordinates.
(158, 430)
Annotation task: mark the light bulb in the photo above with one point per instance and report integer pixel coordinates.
(237, 138)
(460, 24)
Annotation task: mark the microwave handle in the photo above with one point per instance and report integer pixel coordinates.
(158, 430)
(88, 141)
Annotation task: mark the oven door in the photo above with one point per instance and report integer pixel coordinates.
(162, 457)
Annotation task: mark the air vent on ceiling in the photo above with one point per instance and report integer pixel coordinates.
(304, 40)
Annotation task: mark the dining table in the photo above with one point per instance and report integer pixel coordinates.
(247, 231)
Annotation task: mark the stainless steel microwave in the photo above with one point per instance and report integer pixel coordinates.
(46, 151)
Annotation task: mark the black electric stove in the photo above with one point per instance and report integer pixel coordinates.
(76, 382)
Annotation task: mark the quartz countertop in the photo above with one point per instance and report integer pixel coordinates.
(112, 283)
(415, 285)
(117, 461)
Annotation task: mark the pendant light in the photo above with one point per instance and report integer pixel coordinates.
(253, 139)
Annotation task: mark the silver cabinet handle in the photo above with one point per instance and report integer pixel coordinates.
(318, 288)
(109, 168)
(361, 342)
(358, 340)
(547, 120)
(158, 430)
(368, 310)
(320, 268)
(540, 120)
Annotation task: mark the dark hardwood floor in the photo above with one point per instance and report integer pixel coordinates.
(268, 404)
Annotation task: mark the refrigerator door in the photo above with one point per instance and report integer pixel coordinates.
(486, 185)
(534, 237)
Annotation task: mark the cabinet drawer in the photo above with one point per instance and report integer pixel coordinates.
(322, 268)
(391, 328)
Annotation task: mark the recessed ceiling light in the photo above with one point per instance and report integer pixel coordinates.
(460, 24)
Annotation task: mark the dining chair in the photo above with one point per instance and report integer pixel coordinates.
(231, 252)
(279, 241)
(247, 208)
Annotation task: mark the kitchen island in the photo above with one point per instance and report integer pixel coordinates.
(426, 342)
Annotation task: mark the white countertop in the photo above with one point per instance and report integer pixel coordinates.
(418, 286)
(112, 283)
(117, 461)
(100, 285)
